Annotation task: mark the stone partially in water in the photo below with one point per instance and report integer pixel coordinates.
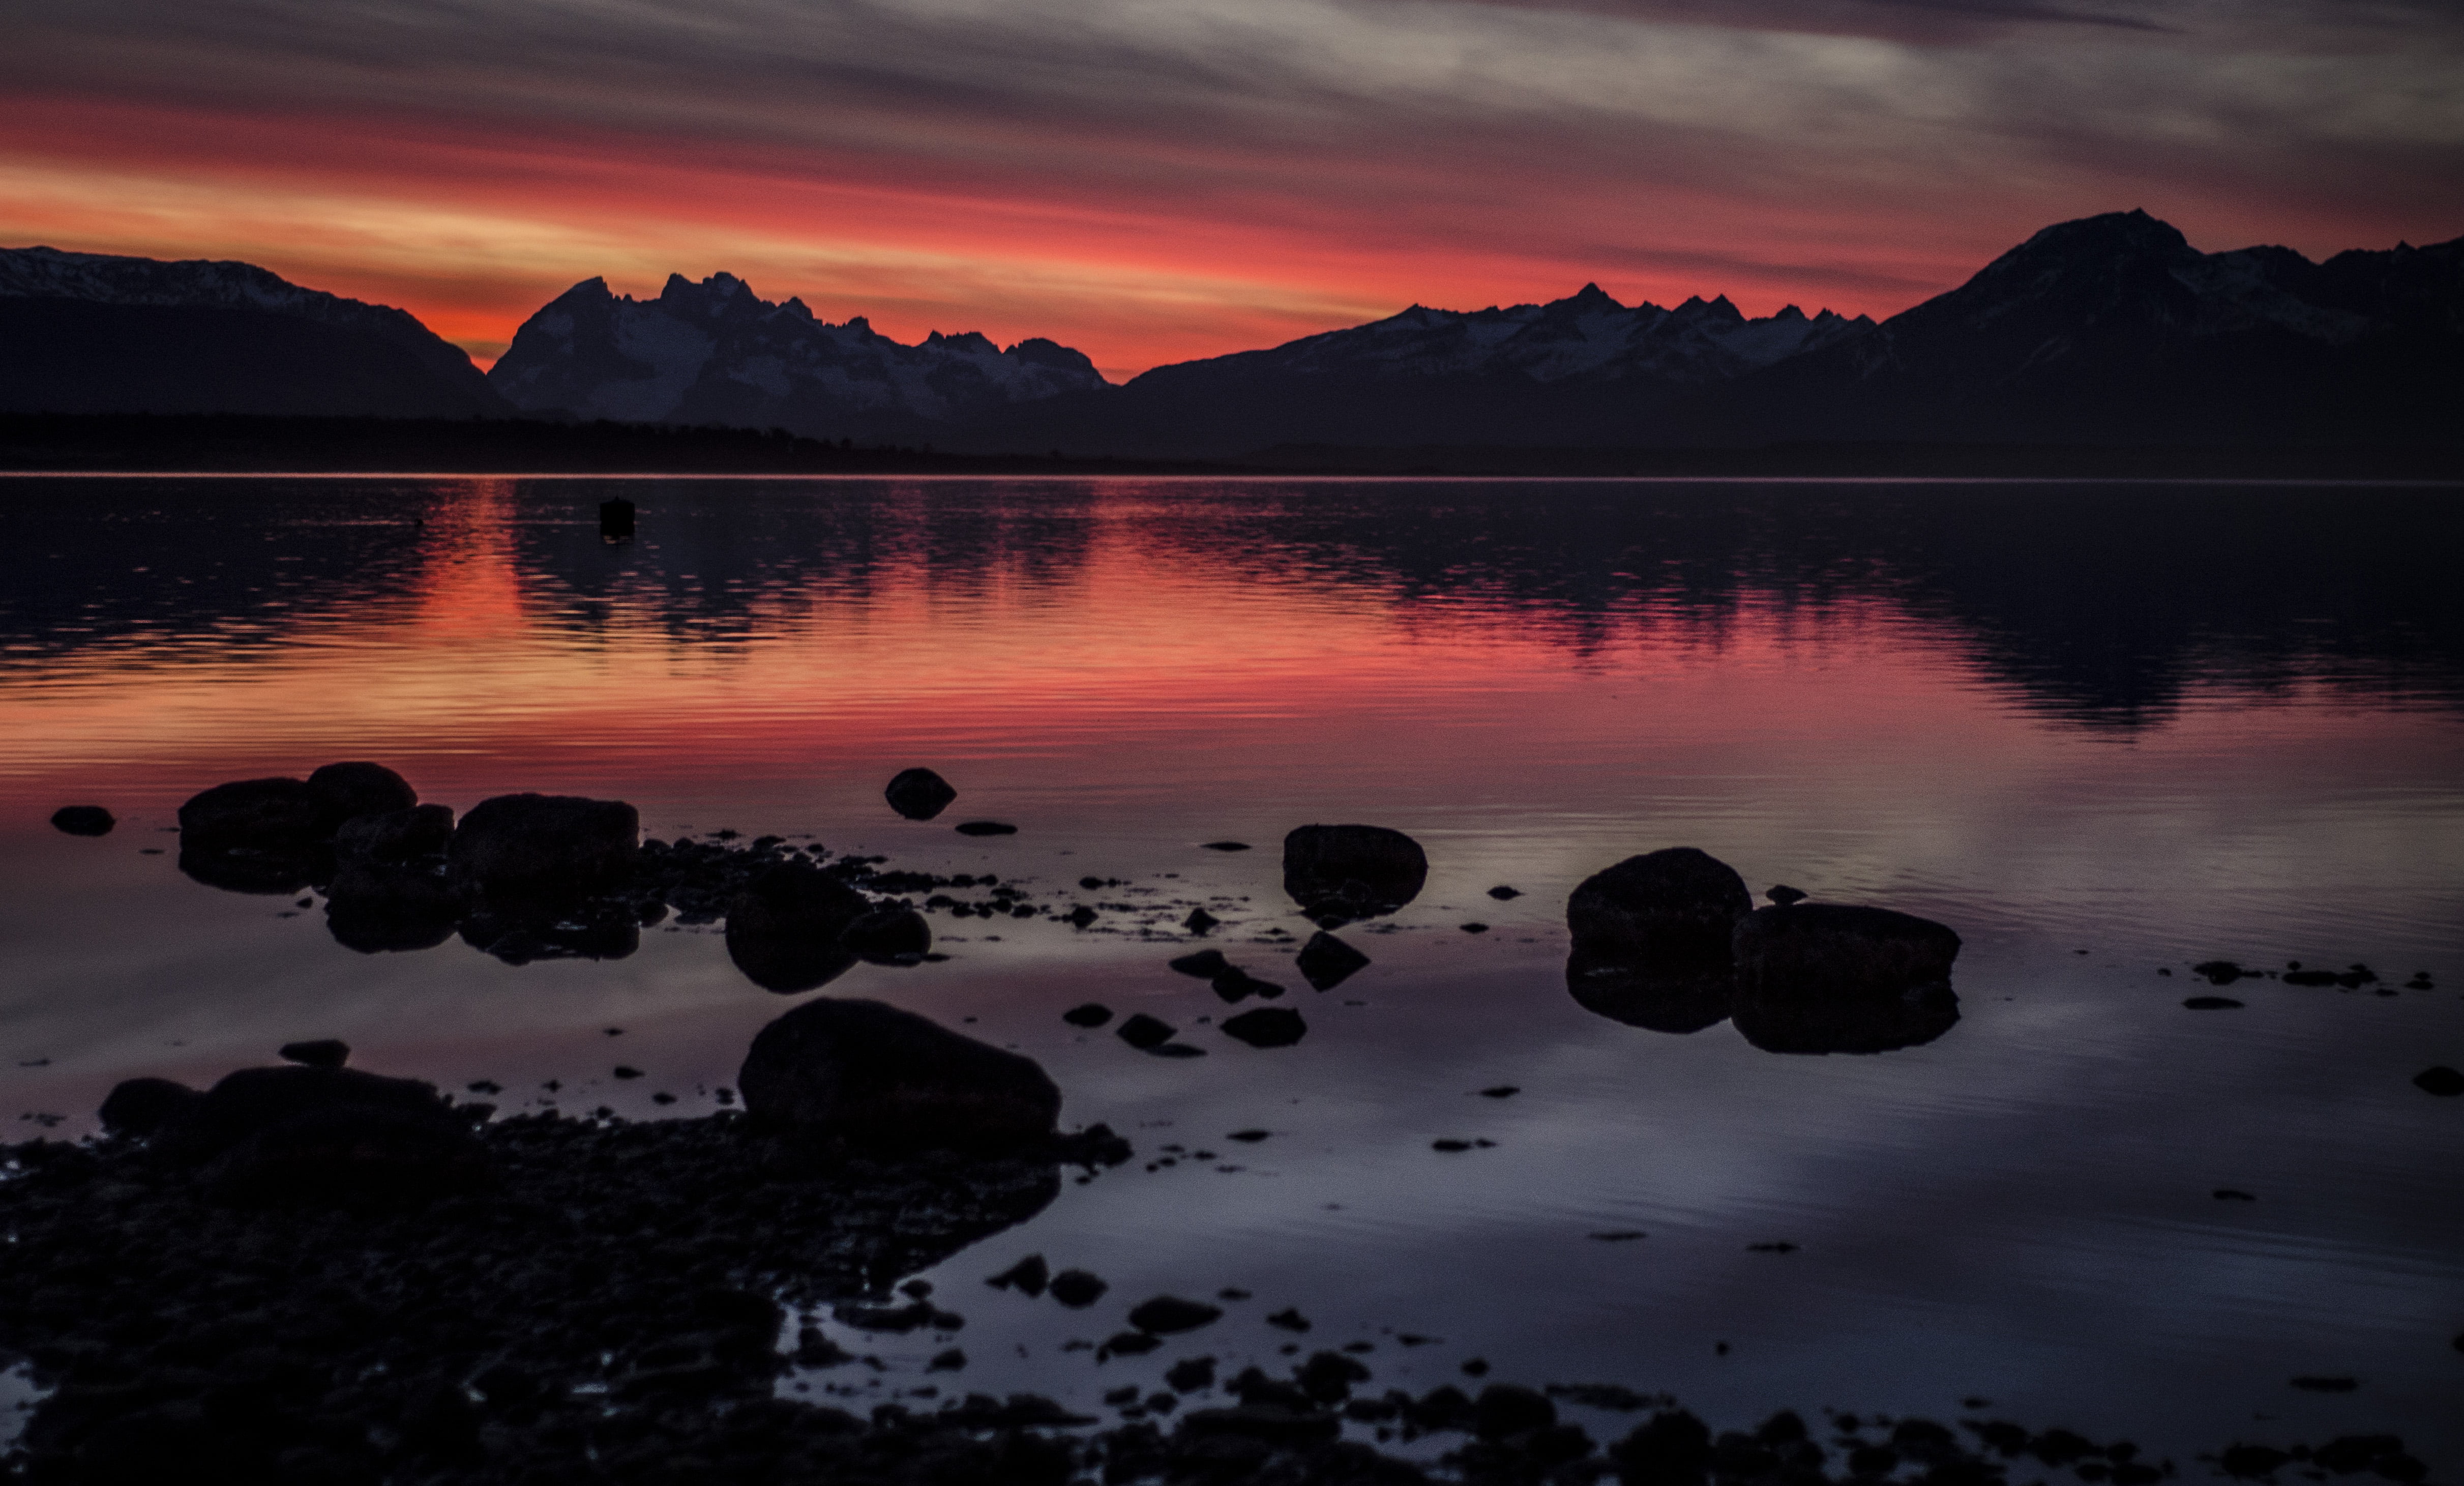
(875, 1077)
(544, 848)
(1667, 908)
(395, 835)
(919, 793)
(1090, 1014)
(1817, 1024)
(1143, 1031)
(372, 907)
(351, 1155)
(888, 933)
(258, 814)
(1835, 949)
(1167, 1316)
(1678, 1001)
(1268, 1026)
(139, 1107)
(785, 931)
(345, 791)
(84, 820)
(1326, 961)
(1205, 964)
(277, 871)
(1351, 872)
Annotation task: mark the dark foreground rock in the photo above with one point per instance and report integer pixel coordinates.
(1666, 909)
(1340, 873)
(1680, 1001)
(873, 1077)
(257, 813)
(785, 930)
(1836, 951)
(1791, 1023)
(414, 832)
(84, 820)
(1326, 961)
(522, 849)
(345, 791)
(919, 793)
(375, 905)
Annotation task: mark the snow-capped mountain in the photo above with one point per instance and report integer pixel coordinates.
(244, 322)
(714, 352)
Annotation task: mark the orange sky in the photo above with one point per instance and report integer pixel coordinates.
(1152, 183)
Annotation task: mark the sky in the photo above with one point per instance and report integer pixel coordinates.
(1152, 181)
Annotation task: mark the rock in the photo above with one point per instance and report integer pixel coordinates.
(259, 815)
(1351, 872)
(1205, 964)
(1835, 950)
(1167, 1316)
(1504, 1409)
(785, 931)
(351, 1155)
(1093, 1014)
(1817, 1024)
(345, 791)
(1326, 961)
(887, 933)
(1236, 985)
(395, 835)
(372, 907)
(84, 820)
(2443, 1081)
(593, 931)
(919, 793)
(1028, 1277)
(1190, 1374)
(2222, 972)
(986, 828)
(139, 1107)
(1177, 1049)
(1079, 917)
(253, 1099)
(1678, 1001)
(544, 848)
(876, 1077)
(1200, 921)
(1269, 1027)
(1783, 895)
(1328, 1377)
(1265, 1422)
(2212, 1003)
(1143, 1031)
(1664, 909)
(1077, 1289)
(1505, 894)
(322, 1052)
(278, 871)
(1673, 1449)
(1224, 846)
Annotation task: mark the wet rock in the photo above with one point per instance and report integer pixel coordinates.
(2222, 972)
(1225, 846)
(1093, 1014)
(395, 835)
(986, 828)
(320, 1053)
(1268, 1026)
(1351, 872)
(351, 1155)
(2212, 1003)
(1205, 964)
(1028, 1277)
(84, 820)
(1835, 950)
(1077, 1289)
(1798, 1024)
(1783, 895)
(597, 930)
(919, 793)
(785, 929)
(1200, 921)
(373, 906)
(1288, 1318)
(1328, 1377)
(887, 933)
(1505, 894)
(1280, 1427)
(1079, 917)
(139, 1107)
(345, 791)
(1680, 999)
(544, 848)
(1236, 985)
(1504, 1409)
(1663, 910)
(2443, 1081)
(1673, 1448)
(1326, 961)
(258, 814)
(875, 1077)
(1144, 1032)
(1167, 1316)
(1190, 1374)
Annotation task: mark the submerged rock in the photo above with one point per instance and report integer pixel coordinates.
(876, 1077)
(272, 870)
(919, 793)
(1665, 908)
(372, 907)
(255, 814)
(1835, 949)
(395, 835)
(345, 791)
(785, 931)
(1326, 961)
(84, 820)
(1817, 1024)
(544, 848)
(1678, 1001)
(1351, 872)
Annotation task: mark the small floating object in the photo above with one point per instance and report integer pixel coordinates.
(1224, 846)
(616, 518)
(2212, 1003)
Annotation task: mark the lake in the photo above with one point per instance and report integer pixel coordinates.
(2106, 732)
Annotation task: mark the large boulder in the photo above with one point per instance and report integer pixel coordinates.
(346, 791)
(84, 820)
(259, 815)
(139, 1107)
(544, 848)
(874, 1078)
(1342, 873)
(919, 793)
(1667, 908)
(375, 905)
(395, 835)
(1833, 950)
(326, 1137)
(785, 930)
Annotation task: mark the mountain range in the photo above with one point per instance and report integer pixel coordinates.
(2110, 329)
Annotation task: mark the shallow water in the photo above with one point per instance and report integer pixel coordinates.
(2099, 730)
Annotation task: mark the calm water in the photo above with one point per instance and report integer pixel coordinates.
(2096, 729)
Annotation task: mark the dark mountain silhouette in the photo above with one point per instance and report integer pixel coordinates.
(714, 352)
(82, 332)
